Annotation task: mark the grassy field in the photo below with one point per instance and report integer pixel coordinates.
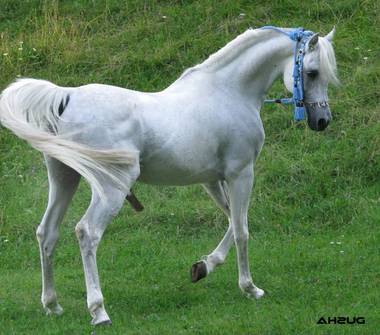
(315, 211)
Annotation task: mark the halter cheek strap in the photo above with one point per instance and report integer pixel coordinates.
(301, 37)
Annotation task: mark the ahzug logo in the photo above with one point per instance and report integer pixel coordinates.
(341, 320)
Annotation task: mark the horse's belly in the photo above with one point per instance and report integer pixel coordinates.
(170, 173)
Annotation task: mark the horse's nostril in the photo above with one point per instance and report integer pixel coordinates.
(322, 124)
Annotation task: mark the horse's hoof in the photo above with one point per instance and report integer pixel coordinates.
(257, 293)
(198, 271)
(101, 318)
(54, 310)
(102, 323)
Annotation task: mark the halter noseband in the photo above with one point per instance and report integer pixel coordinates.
(301, 36)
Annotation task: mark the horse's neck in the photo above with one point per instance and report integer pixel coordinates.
(247, 66)
(254, 70)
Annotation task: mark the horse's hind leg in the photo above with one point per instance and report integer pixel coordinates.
(89, 232)
(63, 182)
(218, 191)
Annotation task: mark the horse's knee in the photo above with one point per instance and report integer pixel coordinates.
(82, 231)
(40, 233)
(90, 228)
(47, 240)
(88, 238)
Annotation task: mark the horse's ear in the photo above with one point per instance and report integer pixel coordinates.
(313, 41)
(330, 35)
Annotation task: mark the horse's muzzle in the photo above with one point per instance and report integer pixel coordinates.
(318, 115)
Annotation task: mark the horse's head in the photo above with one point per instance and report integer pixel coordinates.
(319, 69)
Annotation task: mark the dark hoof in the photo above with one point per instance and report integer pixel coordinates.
(198, 271)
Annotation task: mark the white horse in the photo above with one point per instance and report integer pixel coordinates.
(204, 128)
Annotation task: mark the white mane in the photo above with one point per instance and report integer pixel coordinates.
(229, 52)
(327, 64)
(254, 36)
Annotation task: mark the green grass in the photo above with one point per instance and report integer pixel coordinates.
(311, 189)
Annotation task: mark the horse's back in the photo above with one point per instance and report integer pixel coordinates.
(103, 115)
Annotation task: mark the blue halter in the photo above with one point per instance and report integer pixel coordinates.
(300, 36)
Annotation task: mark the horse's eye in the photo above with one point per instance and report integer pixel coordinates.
(312, 74)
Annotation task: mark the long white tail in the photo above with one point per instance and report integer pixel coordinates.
(30, 109)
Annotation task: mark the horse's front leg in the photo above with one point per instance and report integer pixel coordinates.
(219, 193)
(240, 188)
